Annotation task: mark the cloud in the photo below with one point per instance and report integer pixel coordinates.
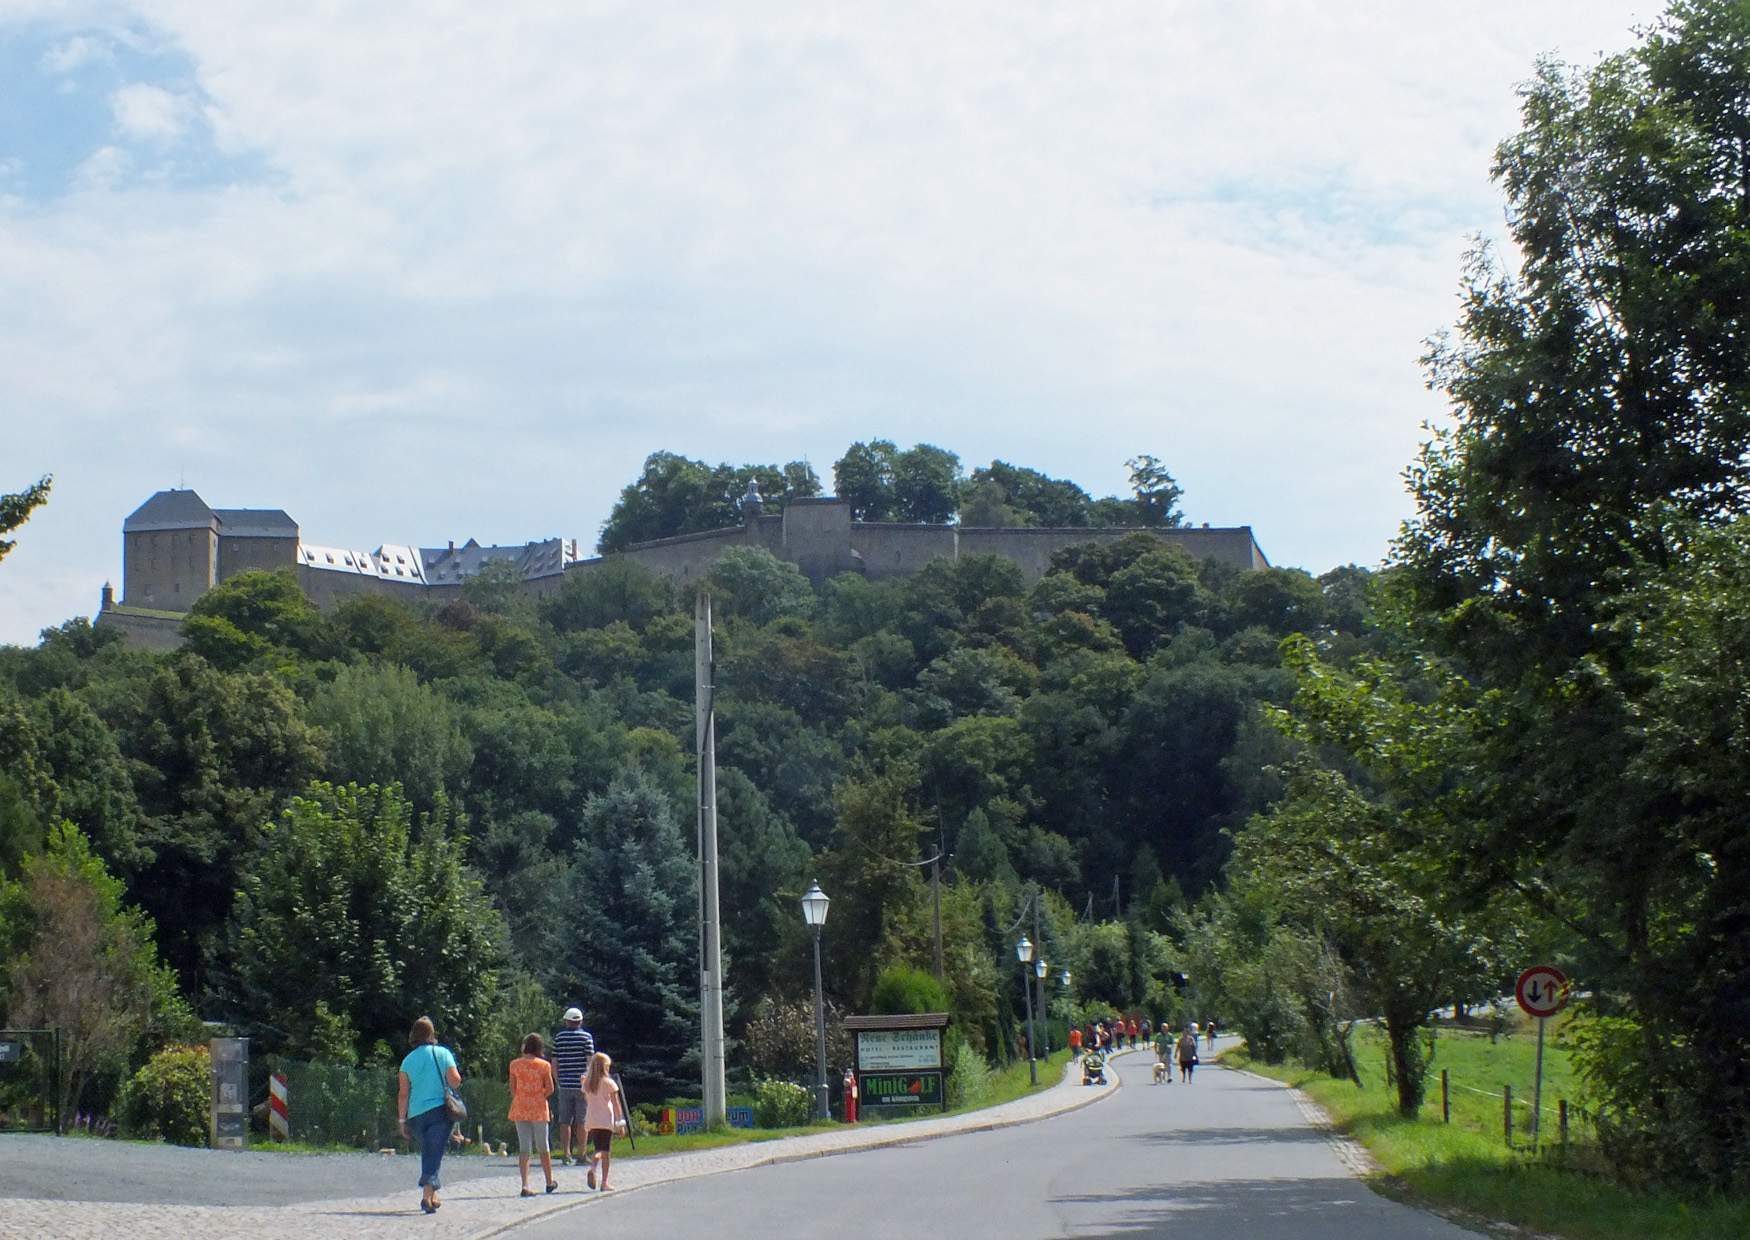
(151, 113)
(516, 250)
(104, 169)
(74, 53)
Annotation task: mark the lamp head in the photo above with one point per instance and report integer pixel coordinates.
(1023, 949)
(814, 905)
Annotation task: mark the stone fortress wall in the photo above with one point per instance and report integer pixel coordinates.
(175, 548)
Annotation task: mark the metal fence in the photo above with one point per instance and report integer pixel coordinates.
(336, 1105)
(30, 1079)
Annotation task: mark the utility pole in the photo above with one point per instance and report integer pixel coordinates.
(710, 944)
(936, 899)
(1038, 977)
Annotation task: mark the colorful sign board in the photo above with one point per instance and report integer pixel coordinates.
(671, 1120)
(893, 1089)
(1542, 991)
(899, 1050)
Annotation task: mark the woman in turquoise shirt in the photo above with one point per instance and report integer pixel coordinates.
(424, 1073)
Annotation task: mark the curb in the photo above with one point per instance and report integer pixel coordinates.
(780, 1156)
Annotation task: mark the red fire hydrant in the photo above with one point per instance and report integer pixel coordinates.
(850, 1096)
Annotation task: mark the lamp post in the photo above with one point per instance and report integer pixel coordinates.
(1024, 953)
(814, 904)
(1040, 969)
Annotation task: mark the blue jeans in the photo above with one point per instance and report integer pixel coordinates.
(432, 1130)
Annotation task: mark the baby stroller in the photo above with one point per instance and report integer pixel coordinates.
(1093, 1068)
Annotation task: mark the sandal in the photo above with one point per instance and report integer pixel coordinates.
(552, 1185)
(528, 1192)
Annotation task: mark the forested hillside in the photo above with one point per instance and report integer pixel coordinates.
(335, 822)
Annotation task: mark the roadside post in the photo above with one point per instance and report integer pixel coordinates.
(1542, 991)
(279, 1125)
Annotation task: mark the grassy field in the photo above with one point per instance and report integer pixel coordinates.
(1467, 1165)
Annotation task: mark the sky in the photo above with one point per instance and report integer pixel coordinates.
(453, 272)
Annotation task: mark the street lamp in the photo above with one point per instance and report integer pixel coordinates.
(1024, 953)
(814, 905)
(1040, 969)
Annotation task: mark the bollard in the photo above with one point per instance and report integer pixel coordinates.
(1445, 1098)
(278, 1118)
(1507, 1115)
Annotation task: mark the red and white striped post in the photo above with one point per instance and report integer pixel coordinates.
(278, 1126)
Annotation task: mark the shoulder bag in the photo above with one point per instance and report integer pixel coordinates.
(454, 1108)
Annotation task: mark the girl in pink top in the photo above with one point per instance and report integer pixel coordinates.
(603, 1113)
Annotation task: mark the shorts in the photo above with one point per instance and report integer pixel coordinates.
(570, 1108)
(600, 1138)
(531, 1137)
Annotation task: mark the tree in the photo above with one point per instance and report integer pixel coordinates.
(254, 616)
(382, 726)
(633, 958)
(876, 890)
(864, 478)
(926, 484)
(212, 756)
(677, 495)
(1154, 498)
(81, 961)
(15, 509)
(354, 905)
(1599, 430)
(618, 590)
(753, 583)
(1031, 497)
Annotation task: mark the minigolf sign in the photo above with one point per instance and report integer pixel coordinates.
(1542, 990)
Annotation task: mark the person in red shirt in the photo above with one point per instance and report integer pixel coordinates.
(1075, 1042)
(1133, 1031)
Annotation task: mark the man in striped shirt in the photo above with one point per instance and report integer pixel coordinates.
(572, 1047)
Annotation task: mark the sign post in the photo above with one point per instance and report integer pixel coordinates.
(1542, 991)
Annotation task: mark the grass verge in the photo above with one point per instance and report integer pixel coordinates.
(1003, 1085)
(1467, 1165)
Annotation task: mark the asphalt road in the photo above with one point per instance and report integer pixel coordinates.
(1229, 1156)
(79, 1169)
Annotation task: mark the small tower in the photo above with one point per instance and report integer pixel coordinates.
(108, 598)
(751, 503)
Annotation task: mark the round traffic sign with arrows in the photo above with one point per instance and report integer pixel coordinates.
(1542, 990)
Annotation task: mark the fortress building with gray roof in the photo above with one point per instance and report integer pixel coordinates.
(175, 548)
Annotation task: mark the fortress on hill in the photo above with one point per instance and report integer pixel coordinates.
(175, 548)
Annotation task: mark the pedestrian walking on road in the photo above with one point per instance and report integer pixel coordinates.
(1187, 1053)
(1132, 1031)
(605, 1113)
(426, 1070)
(531, 1084)
(1209, 1033)
(1075, 1041)
(572, 1047)
(1164, 1051)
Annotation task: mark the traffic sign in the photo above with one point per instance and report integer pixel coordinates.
(1542, 990)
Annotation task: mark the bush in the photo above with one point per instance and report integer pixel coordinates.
(170, 1098)
(781, 1104)
(904, 991)
(968, 1079)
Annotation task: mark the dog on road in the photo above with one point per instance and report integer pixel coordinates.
(1162, 1072)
